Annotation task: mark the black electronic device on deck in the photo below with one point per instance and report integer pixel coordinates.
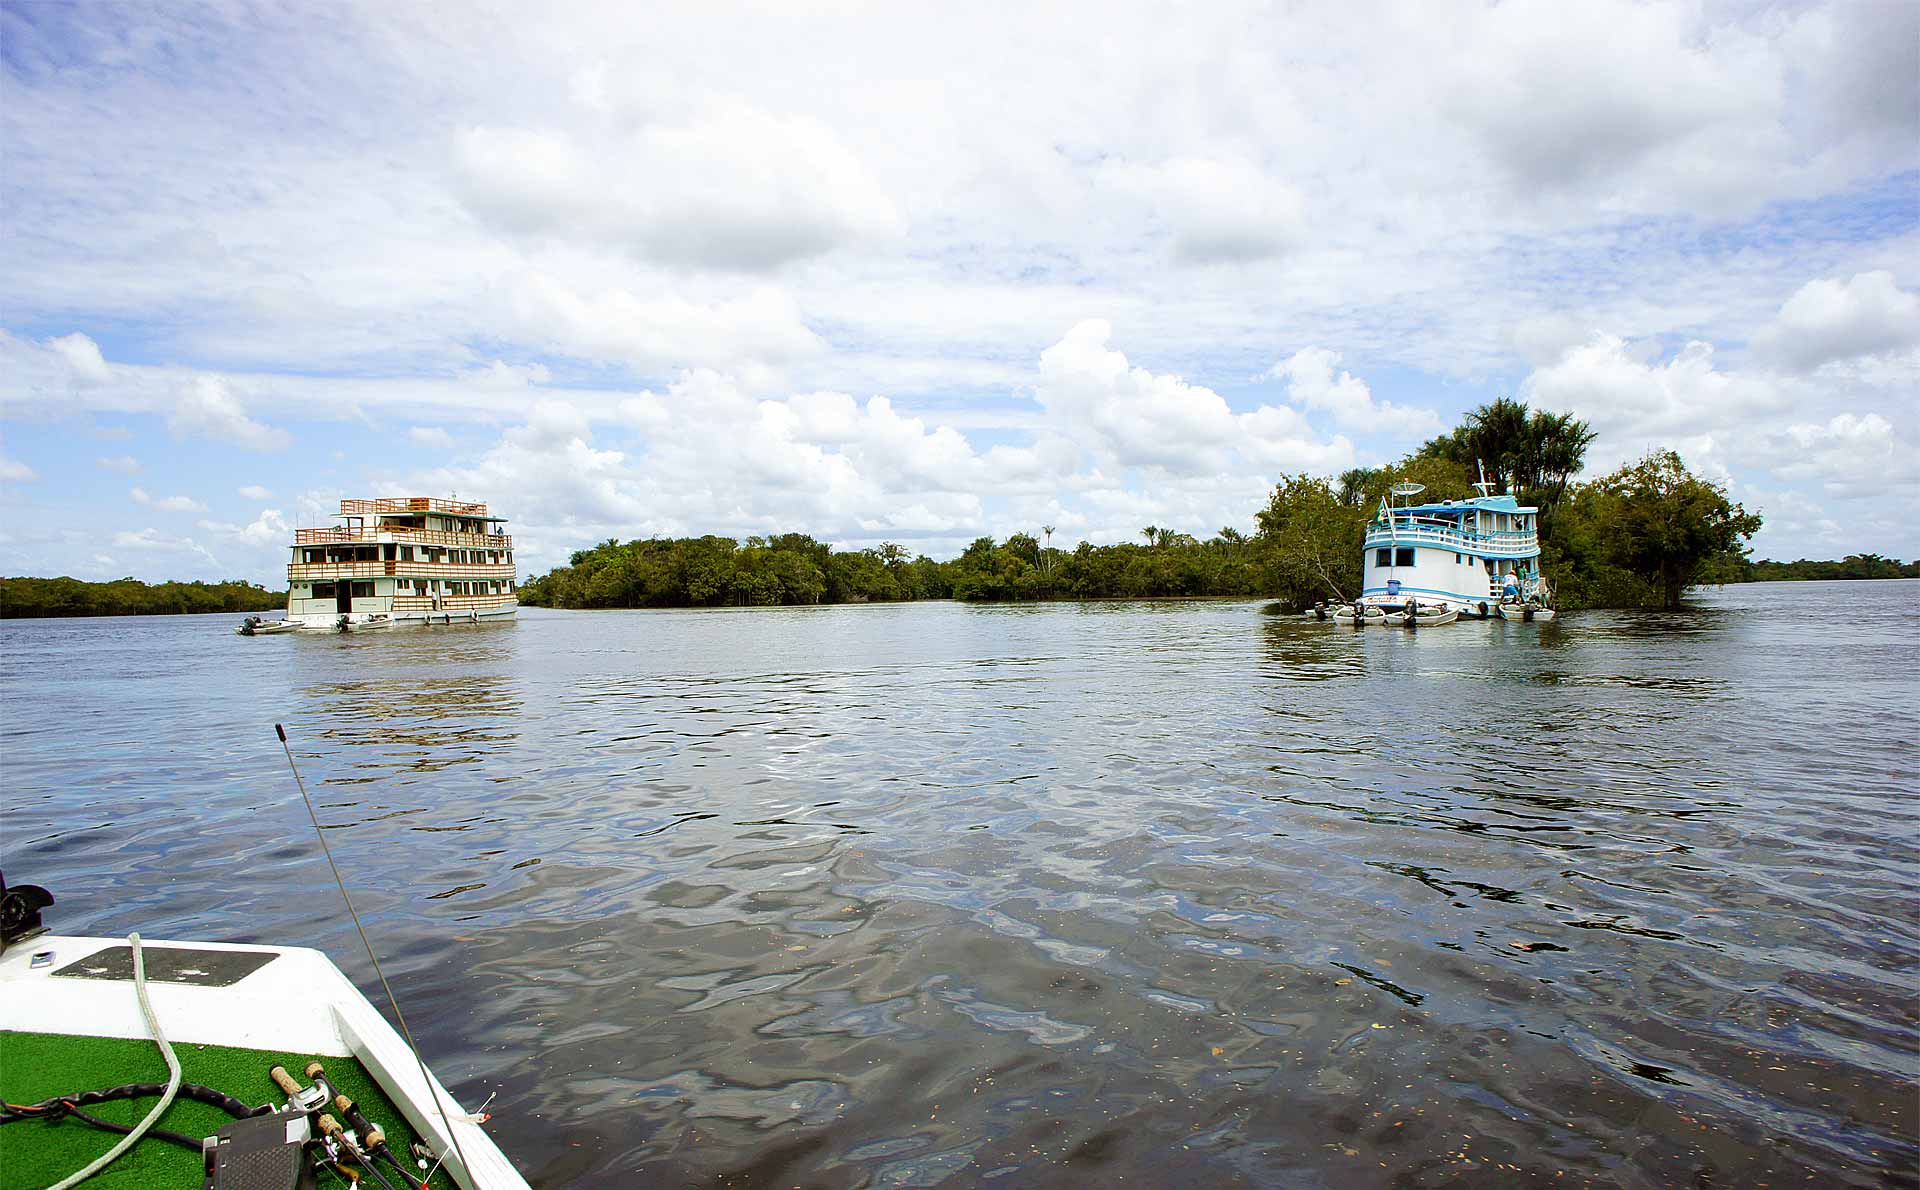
(261, 1153)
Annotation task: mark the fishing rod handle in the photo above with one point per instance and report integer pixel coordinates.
(284, 1081)
(371, 1135)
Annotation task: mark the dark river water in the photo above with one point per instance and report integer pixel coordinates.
(1156, 894)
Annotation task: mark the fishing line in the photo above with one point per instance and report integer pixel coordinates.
(392, 1002)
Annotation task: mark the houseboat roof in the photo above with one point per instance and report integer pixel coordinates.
(1486, 503)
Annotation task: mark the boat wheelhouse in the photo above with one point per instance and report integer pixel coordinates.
(405, 559)
(1466, 555)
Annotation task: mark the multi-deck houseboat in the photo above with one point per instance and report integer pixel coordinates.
(1477, 557)
(397, 560)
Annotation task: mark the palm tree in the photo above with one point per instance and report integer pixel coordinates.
(1152, 534)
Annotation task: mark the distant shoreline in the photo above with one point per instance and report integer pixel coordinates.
(67, 598)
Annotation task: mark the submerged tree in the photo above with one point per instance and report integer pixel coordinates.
(1312, 540)
(1662, 523)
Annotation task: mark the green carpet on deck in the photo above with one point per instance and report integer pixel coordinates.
(36, 1066)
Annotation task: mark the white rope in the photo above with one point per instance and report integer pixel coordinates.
(173, 1077)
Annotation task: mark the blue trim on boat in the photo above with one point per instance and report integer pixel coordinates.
(1404, 589)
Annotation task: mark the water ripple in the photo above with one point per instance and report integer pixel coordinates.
(1169, 894)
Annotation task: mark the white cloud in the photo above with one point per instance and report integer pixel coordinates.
(1827, 320)
(268, 531)
(1137, 418)
(1849, 456)
(432, 436)
(83, 359)
(15, 471)
(124, 464)
(500, 376)
(254, 491)
(1218, 210)
(1562, 96)
(166, 503)
(733, 187)
(206, 407)
(762, 325)
(1311, 383)
(1634, 404)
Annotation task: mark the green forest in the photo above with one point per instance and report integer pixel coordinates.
(1637, 537)
(24, 598)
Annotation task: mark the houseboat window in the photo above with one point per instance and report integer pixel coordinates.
(363, 590)
(323, 590)
(1403, 556)
(1383, 557)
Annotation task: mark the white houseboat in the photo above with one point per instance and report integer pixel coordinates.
(1478, 557)
(398, 560)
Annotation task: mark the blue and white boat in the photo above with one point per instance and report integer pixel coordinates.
(1478, 557)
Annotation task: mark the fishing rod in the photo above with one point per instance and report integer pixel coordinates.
(392, 1000)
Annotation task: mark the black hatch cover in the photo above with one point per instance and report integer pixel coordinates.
(201, 968)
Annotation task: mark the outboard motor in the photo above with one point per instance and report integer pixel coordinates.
(1413, 612)
(1526, 613)
(340, 623)
(1484, 613)
(1320, 609)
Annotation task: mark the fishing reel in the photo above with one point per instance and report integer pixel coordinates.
(281, 1151)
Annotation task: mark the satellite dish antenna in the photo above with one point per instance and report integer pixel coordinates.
(1404, 489)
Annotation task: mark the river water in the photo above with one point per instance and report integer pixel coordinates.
(1159, 894)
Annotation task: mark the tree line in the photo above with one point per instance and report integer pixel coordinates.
(1853, 566)
(1638, 537)
(787, 568)
(24, 598)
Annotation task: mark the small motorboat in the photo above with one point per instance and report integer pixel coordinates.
(371, 621)
(1413, 615)
(1358, 615)
(257, 626)
(1527, 612)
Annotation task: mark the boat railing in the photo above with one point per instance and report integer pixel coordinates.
(410, 504)
(325, 571)
(1501, 540)
(374, 535)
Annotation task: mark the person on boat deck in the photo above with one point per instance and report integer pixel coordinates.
(1510, 589)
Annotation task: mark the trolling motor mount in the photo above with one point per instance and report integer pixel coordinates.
(20, 908)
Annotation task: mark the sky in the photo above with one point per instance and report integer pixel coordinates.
(924, 272)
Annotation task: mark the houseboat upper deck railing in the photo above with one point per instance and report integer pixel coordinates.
(405, 504)
(1504, 541)
(378, 534)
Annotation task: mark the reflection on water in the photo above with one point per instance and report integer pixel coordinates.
(1164, 893)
